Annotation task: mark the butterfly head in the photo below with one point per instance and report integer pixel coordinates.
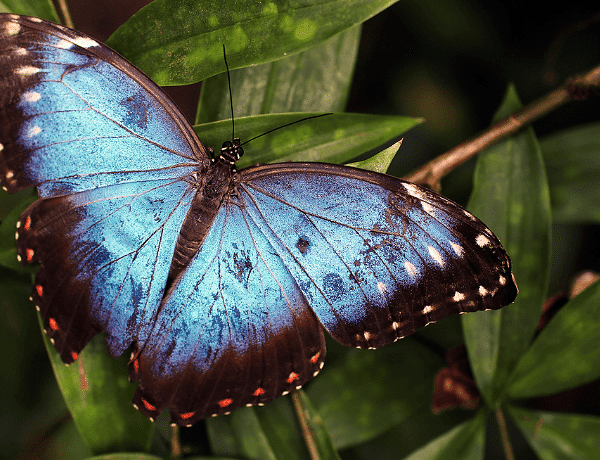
(231, 151)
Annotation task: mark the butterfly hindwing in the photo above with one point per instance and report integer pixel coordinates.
(234, 329)
(376, 257)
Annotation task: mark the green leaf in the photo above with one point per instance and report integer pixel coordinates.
(179, 42)
(269, 433)
(363, 396)
(566, 353)
(464, 442)
(559, 436)
(572, 159)
(98, 394)
(336, 138)
(511, 196)
(316, 80)
(40, 8)
(379, 162)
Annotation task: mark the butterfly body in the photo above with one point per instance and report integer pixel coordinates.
(220, 280)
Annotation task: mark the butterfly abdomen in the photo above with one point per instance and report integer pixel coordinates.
(214, 187)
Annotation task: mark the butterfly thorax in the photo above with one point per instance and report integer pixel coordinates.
(212, 187)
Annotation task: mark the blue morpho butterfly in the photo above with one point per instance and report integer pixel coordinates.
(219, 279)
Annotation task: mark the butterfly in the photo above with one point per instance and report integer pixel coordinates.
(221, 280)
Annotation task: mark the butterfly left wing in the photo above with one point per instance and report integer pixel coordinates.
(233, 330)
(376, 257)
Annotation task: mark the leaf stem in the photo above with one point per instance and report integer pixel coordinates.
(432, 172)
(508, 450)
(65, 13)
(307, 433)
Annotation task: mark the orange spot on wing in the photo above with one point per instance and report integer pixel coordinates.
(29, 254)
(148, 406)
(53, 324)
(136, 366)
(74, 356)
(187, 415)
(293, 376)
(259, 391)
(40, 290)
(28, 223)
(225, 402)
(315, 358)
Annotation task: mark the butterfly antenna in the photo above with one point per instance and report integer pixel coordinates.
(230, 93)
(289, 124)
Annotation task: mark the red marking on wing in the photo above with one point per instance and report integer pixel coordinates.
(40, 290)
(53, 324)
(187, 415)
(28, 223)
(74, 356)
(293, 376)
(225, 402)
(29, 255)
(259, 391)
(315, 358)
(148, 406)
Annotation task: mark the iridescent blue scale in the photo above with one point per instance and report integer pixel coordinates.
(221, 280)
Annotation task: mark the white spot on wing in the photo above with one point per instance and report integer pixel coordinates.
(458, 249)
(12, 28)
(10, 174)
(1, 147)
(482, 240)
(411, 269)
(469, 215)
(436, 256)
(20, 51)
(413, 190)
(483, 291)
(381, 287)
(27, 70)
(427, 309)
(85, 42)
(64, 45)
(34, 131)
(31, 96)
(428, 208)
(38, 20)
(502, 280)
(458, 296)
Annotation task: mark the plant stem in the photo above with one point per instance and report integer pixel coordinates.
(508, 451)
(432, 172)
(307, 433)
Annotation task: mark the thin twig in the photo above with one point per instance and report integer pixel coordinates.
(432, 172)
(307, 433)
(65, 13)
(508, 451)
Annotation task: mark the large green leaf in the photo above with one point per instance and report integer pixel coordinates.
(572, 159)
(559, 436)
(465, 442)
(511, 196)
(40, 8)
(98, 394)
(367, 393)
(336, 138)
(178, 42)
(565, 354)
(316, 80)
